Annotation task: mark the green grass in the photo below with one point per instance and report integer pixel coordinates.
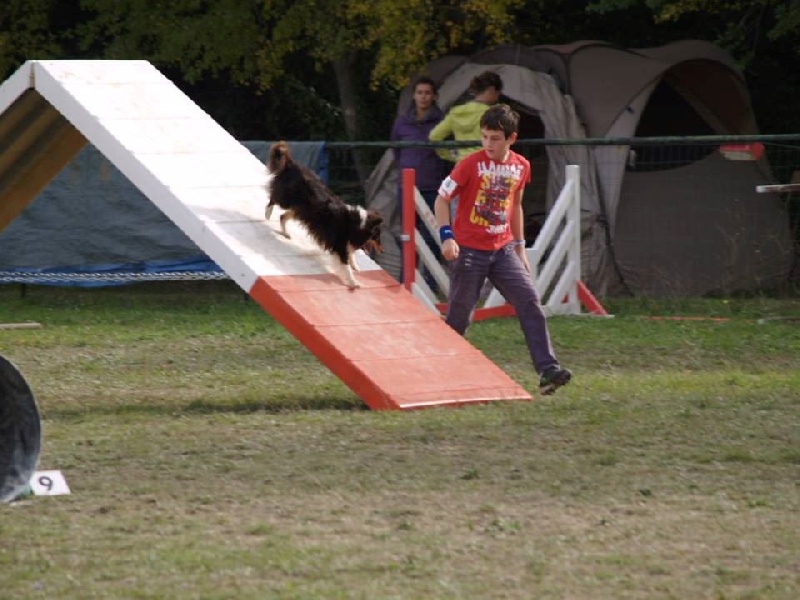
(212, 456)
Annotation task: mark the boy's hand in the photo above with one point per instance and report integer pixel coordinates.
(450, 249)
(523, 256)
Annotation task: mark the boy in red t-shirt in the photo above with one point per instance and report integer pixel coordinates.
(487, 238)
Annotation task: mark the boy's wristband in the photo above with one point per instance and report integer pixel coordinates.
(518, 242)
(445, 233)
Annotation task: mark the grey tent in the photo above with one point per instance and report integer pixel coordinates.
(692, 226)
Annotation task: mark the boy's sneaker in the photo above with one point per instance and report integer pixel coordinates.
(552, 379)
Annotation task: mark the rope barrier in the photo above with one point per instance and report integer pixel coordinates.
(16, 277)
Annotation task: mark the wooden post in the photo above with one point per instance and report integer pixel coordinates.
(409, 244)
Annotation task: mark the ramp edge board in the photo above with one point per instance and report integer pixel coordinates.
(16, 85)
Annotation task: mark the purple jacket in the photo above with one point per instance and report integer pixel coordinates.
(430, 168)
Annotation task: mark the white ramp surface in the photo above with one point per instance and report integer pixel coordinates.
(202, 178)
(378, 339)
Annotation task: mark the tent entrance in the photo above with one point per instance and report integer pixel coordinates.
(668, 114)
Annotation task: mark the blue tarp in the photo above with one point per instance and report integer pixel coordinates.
(92, 226)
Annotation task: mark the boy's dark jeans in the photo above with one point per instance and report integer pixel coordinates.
(507, 273)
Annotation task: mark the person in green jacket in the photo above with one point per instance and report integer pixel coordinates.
(463, 122)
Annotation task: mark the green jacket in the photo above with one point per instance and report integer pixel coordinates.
(462, 122)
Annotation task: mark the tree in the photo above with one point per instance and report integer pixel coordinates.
(263, 43)
(407, 35)
(762, 35)
(26, 33)
(332, 68)
(257, 43)
(741, 25)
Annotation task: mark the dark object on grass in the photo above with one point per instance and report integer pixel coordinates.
(20, 432)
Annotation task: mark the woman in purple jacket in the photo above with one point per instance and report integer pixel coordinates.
(414, 126)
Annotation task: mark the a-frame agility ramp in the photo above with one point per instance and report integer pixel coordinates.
(379, 340)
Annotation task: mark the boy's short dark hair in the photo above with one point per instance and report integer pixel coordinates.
(501, 117)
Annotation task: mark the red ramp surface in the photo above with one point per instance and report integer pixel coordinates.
(379, 339)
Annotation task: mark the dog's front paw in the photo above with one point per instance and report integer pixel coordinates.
(350, 281)
(346, 276)
(268, 211)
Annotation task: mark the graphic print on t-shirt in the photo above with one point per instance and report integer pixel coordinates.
(496, 186)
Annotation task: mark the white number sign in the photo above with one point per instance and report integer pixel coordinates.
(49, 483)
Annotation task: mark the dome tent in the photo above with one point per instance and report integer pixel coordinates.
(689, 228)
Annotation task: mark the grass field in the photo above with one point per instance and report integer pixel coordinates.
(211, 456)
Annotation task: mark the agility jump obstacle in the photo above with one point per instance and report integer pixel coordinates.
(555, 257)
(379, 340)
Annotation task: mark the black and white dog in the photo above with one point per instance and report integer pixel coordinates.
(338, 227)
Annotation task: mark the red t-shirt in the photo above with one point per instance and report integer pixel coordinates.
(486, 190)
